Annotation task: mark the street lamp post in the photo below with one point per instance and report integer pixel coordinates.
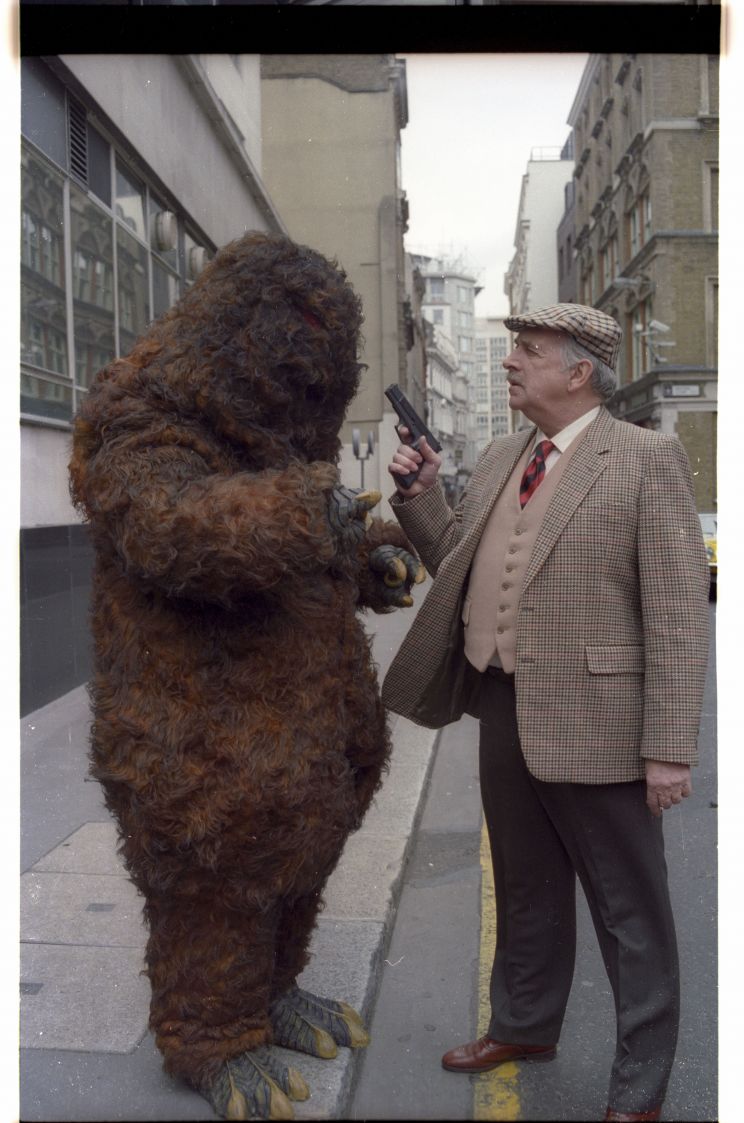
(356, 445)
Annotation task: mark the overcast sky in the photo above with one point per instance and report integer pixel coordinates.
(473, 121)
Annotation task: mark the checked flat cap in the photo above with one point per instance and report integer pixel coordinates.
(598, 332)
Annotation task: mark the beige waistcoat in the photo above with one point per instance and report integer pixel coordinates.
(500, 564)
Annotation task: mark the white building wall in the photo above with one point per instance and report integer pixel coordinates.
(532, 278)
(171, 109)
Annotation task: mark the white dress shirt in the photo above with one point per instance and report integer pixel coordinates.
(563, 439)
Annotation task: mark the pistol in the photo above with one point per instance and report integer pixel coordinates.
(407, 416)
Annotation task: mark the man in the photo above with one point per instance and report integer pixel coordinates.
(569, 612)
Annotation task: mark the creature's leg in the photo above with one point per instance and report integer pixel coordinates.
(210, 967)
(301, 1020)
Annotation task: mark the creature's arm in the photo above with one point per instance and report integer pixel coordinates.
(195, 532)
(388, 567)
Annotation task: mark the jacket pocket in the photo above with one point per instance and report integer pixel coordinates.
(613, 659)
(466, 611)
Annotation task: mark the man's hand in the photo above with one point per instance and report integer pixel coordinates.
(407, 459)
(666, 784)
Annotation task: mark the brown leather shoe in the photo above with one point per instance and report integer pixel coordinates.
(485, 1053)
(613, 1116)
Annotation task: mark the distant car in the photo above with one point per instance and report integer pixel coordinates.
(709, 524)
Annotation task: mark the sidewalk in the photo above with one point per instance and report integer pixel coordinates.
(86, 1053)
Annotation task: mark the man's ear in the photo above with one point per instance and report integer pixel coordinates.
(580, 375)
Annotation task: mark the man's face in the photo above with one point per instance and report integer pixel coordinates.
(537, 373)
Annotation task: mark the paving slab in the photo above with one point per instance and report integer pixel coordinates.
(90, 998)
(90, 849)
(83, 909)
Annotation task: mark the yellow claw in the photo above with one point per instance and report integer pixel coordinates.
(406, 601)
(326, 1046)
(369, 498)
(359, 1035)
(392, 580)
(298, 1088)
(237, 1108)
(279, 1105)
(351, 1014)
(420, 575)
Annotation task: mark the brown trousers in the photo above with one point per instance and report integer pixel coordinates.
(542, 835)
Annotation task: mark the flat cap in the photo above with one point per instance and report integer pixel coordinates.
(598, 332)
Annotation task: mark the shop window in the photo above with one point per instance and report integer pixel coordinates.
(134, 304)
(165, 289)
(130, 200)
(43, 110)
(91, 236)
(99, 165)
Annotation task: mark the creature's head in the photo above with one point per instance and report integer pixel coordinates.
(263, 345)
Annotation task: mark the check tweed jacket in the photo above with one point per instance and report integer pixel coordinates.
(612, 626)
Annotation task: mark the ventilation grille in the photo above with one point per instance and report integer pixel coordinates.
(78, 133)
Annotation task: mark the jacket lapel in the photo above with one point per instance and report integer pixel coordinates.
(587, 464)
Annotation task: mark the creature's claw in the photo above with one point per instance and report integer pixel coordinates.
(399, 571)
(313, 1025)
(348, 513)
(255, 1085)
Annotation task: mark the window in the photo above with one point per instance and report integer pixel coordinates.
(43, 297)
(113, 272)
(587, 285)
(436, 286)
(608, 262)
(638, 357)
(638, 224)
(464, 344)
(711, 320)
(710, 196)
(92, 244)
(130, 200)
(437, 315)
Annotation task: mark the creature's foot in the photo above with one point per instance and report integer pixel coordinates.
(302, 1021)
(255, 1085)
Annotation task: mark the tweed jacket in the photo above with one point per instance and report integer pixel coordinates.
(612, 625)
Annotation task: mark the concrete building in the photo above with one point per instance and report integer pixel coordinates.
(449, 304)
(567, 267)
(447, 408)
(117, 218)
(331, 161)
(492, 413)
(645, 133)
(531, 280)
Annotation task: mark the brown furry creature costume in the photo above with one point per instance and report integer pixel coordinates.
(238, 732)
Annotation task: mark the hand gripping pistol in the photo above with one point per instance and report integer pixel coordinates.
(407, 416)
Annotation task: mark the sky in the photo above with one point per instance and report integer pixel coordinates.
(473, 122)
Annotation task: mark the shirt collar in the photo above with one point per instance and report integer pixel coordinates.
(563, 439)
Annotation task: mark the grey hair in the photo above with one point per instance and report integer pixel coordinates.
(604, 381)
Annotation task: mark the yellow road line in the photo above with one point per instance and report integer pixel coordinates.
(495, 1093)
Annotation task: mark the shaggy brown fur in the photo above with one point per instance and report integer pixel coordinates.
(238, 732)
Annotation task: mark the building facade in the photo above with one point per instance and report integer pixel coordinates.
(531, 280)
(331, 161)
(492, 413)
(645, 131)
(449, 304)
(447, 408)
(117, 219)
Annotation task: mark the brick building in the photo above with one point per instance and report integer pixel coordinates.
(645, 201)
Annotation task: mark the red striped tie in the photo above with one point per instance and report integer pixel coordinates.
(534, 471)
